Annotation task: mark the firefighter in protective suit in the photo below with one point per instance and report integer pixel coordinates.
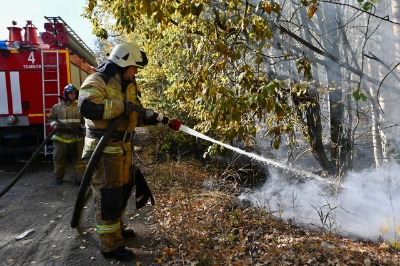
(106, 94)
(68, 140)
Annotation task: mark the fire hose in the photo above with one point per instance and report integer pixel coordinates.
(33, 157)
(92, 163)
(80, 199)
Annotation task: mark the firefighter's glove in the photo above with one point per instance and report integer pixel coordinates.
(129, 107)
(54, 125)
(175, 124)
(149, 114)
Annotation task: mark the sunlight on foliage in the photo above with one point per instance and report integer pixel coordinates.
(232, 70)
(211, 75)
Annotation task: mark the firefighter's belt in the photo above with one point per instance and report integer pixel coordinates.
(76, 130)
(123, 136)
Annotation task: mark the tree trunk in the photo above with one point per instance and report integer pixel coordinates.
(328, 21)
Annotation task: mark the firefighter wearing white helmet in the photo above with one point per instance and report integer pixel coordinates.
(68, 140)
(128, 54)
(106, 94)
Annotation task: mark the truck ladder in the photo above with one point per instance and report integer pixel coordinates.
(50, 85)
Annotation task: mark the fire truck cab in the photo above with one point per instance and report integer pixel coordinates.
(33, 73)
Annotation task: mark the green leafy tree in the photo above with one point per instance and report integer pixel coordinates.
(216, 64)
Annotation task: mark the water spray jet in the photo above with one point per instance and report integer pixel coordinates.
(195, 133)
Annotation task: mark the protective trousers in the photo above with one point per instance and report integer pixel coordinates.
(111, 189)
(60, 158)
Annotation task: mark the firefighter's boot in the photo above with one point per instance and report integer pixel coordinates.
(128, 233)
(58, 181)
(120, 254)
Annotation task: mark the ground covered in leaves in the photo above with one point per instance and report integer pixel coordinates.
(207, 225)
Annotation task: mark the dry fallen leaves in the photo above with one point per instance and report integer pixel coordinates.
(209, 227)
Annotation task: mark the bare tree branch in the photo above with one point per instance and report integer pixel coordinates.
(333, 58)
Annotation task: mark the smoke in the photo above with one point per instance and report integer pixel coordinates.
(367, 205)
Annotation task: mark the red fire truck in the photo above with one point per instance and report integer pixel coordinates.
(34, 69)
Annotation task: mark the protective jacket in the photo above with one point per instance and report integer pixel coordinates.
(107, 98)
(67, 116)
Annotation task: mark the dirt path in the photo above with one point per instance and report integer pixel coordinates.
(35, 203)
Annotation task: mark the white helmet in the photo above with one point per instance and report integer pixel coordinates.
(128, 54)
